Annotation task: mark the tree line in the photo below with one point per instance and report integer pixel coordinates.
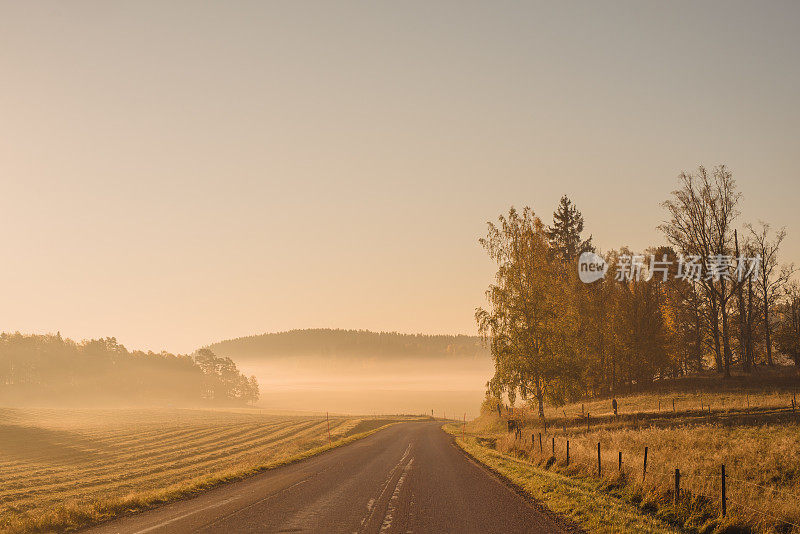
(713, 297)
(327, 342)
(46, 368)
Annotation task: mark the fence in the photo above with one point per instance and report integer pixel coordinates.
(717, 488)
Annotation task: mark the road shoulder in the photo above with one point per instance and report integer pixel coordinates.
(578, 504)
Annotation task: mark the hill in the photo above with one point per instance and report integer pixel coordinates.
(49, 369)
(349, 344)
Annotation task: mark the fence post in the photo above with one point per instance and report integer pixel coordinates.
(540, 443)
(677, 485)
(599, 465)
(328, 420)
(724, 503)
(567, 452)
(620, 461)
(644, 469)
(554, 446)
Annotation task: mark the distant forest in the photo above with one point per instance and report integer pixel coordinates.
(327, 342)
(47, 368)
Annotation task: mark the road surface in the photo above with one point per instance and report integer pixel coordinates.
(409, 477)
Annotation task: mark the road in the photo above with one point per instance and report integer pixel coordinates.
(409, 477)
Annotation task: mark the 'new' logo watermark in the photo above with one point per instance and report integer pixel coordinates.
(591, 267)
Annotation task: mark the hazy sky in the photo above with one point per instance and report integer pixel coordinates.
(175, 173)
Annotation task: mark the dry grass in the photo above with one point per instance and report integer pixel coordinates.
(63, 469)
(758, 446)
(652, 403)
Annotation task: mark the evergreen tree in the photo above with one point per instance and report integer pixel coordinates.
(565, 233)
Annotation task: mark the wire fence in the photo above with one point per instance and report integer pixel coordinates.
(717, 488)
(713, 487)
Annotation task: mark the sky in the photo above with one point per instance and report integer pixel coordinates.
(176, 173)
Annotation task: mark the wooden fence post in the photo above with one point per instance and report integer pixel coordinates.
(620, 461)
(644, 468)
(540, 443)
(599, 464)
(724, 503)
(328, 420)
(567, 452)
(554, 446)
(677, 485)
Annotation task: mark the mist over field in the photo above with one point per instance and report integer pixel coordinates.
(414, 386)
(361, 372)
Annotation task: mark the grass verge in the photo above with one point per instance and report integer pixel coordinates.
(597, 506)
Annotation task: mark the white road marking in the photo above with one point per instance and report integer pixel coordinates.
(393, 502)
(371, 503)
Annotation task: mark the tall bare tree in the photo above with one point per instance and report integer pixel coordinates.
(701, 219)
(772, 279)
(788, 331)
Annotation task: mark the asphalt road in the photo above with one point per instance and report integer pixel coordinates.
(407, 478)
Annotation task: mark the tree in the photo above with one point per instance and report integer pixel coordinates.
(531, 324)
(702, 213)
(596, 302)
(565, 233)
(788, 330)
(771, 281)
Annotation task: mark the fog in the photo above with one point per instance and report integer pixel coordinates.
(452, 386)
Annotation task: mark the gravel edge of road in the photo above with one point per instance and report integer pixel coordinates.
(568, 526)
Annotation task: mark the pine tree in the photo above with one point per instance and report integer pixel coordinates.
(565, 233)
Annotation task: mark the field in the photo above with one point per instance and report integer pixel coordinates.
(62, 469)
(755, 435)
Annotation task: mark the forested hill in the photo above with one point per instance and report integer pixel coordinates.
(349, 344)
(47, 369)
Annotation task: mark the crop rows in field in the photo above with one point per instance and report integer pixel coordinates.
(50, 458)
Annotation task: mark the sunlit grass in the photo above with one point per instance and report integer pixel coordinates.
(64, 469)
(758, 447)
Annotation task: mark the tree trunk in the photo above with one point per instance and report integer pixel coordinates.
(742, 317)
(726, 343)
(714, 320)
(699, 341)
(540, 398)
(767, 331)
(751, 352)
